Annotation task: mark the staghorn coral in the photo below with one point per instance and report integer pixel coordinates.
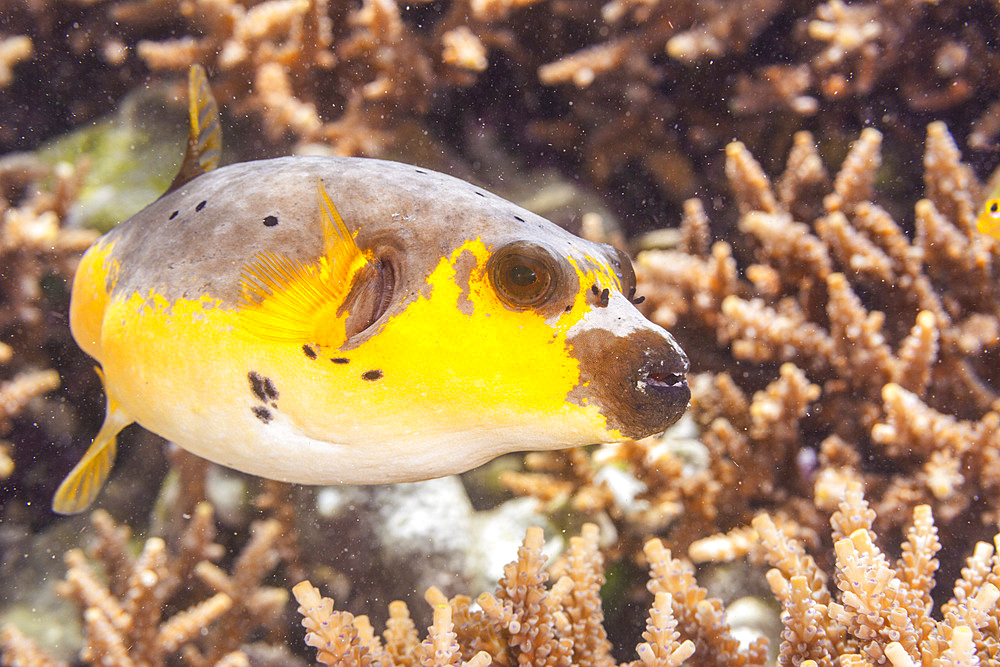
(126, 619)
(867, 611)
(13, 50)
(15, 394)
(34, 201)
(528, 623)
(38, 255)
(887, 345)
(881, 612)
(876, 613)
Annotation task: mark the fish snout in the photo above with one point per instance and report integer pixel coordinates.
(663, 376)
(653, 384)
(638, 379)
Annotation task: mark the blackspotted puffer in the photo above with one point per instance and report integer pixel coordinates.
(330, 320)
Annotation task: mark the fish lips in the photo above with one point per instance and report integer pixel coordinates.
(638, 380)
(663, 378)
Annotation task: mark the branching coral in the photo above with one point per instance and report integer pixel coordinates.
(894, 342)
(35, 249)
(871, 611)
(881, 612)
(530, 624)
(877, 612)
(636, 97)
(14, 396)
(126, 620)
(13, 50)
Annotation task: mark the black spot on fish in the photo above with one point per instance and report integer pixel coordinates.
(371, 376)
(633, 298)
(270, 221)
(262, 387)
(309, 351)
(420, 171)
(519, 218)
(480, 193)
(262, 414)
(603, 296)
(174, 215)
(569, 308)
(200, 205)
(340, 360)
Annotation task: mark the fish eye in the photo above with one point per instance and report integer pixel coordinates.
(523, 274)
(994, 206)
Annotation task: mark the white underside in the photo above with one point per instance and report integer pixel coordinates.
(279, 450)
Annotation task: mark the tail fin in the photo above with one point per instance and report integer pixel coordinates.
(85, 480)
(204, 144)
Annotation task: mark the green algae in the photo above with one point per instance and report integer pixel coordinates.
(130, 157)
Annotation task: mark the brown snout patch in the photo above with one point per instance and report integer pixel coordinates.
(639, 380)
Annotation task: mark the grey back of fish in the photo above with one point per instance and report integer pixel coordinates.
(197, 239)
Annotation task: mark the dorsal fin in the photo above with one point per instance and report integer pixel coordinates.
(204, 143)
(282, 299)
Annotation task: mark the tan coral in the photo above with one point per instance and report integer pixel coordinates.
(881, 613)
(13, 49)
(126, 620)
(17, 392)
(461, 47)
(814, 315)
(35, 247)
(18, 650)
(566, 617)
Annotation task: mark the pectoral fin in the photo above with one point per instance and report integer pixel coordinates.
(84, 482)
(282, 299)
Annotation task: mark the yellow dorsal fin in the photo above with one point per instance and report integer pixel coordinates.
(282, 299)
(85, 480)
(204, 143)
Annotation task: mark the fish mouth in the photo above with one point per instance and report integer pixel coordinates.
(665, 380)
(639, 380)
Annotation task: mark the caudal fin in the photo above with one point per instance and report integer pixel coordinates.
(85, 480)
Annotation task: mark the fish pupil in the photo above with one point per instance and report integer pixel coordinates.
(522, 276)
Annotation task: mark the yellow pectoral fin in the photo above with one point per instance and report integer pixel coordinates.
(342, 253)
(84, 482)
(282, 299)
